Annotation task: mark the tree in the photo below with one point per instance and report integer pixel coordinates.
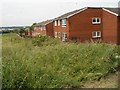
(21, 31)
(32, 26)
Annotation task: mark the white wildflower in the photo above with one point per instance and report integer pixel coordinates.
(117, 56)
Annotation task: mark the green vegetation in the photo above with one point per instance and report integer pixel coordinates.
(49, 63)
(8, 31)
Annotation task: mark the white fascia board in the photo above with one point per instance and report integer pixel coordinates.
(77, 12)
(110, 11)
(49, 22)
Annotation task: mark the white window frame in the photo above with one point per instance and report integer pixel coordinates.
(55, 23)
(64, 24)
(56, 34)
(58, 22)
(96, 34)
(44, 28)
(59, 34)
(96, 18)
(64, 37)
(41, 28)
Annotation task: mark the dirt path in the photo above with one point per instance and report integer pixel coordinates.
(110, 81)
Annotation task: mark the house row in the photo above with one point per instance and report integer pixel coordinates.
(44, 28)
(86, 24)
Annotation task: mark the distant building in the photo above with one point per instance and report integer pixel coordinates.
(44, 28)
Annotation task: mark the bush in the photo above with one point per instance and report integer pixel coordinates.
(37, 41)
(44, 41)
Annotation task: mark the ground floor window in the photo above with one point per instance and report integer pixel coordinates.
(96, 34)
(59, 34)
(56, 34)
(64, 37)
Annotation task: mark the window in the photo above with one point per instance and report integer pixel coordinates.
(96, 20)
(64, 23)
(59, 34)
(41, 28)
(44, 28)
(55, 23)
(58, 22)
(55, 34)
(64, 37)
(96, 34)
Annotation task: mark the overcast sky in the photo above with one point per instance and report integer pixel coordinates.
(26, 12)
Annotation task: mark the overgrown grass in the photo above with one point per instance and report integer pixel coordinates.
(49, 63)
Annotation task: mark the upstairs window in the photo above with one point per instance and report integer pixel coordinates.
(64, 23)
(55, 23)
(96, 34)
(96, 20)
(58, 22)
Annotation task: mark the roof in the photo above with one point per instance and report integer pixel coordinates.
(43, 23)
(66, 15)
(114, 10)
(69, 14)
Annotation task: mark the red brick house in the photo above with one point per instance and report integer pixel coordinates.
(89, 23)
(28, 32)
(43, 28)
